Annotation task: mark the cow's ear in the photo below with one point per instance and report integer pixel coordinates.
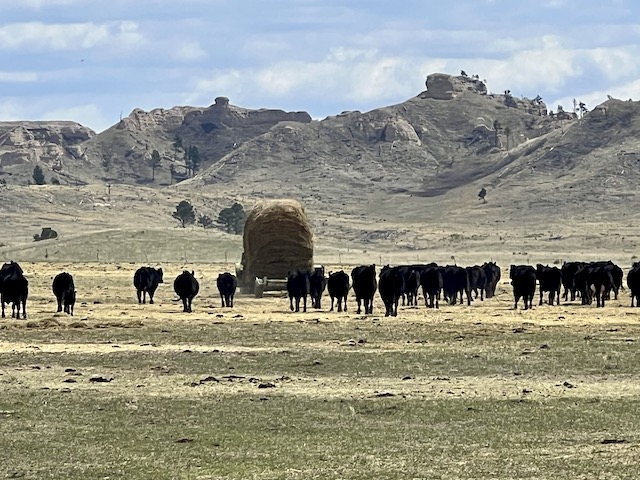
(192, 273)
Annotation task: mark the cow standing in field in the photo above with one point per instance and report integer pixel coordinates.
(391, 288)
(338, 287)
(146, 280)
(14, 289)
(317, 284)
(186, 287)
(523, 280)
(298, 288)
(596, 279)
(431, 283)
(364, 284)
(455, 281)
(65, 291)
(477, 280)
(633, 282)
(411, 275)
(227, 284)
(549, 280)
(492, 274)
(568, 273)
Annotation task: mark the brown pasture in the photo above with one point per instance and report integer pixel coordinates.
(123, 390)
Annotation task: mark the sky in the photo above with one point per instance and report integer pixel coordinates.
(94, 61)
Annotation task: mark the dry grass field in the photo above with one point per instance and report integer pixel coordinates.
(123, 390)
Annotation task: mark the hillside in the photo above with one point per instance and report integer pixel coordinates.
(403, 178)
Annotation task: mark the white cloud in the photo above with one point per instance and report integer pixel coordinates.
(71, 36)
(18, 77)
(187, 51)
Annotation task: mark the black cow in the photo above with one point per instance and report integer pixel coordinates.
(597, 278)
(616, 276)
(633, 282)
(365, 284)
(317, 284)
(391, 288)
(65, 292)
(338, 287)
(523, 280)
(549, 280)
(477, 280)
(411, 275)
(492, 273)
(455, 281)
(186, 287)
(227, 284)
(298, 287)
(431, 283)
(14, 289)
(146, 280)
(568, 273)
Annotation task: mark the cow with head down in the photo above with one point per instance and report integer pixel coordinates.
(14, 289)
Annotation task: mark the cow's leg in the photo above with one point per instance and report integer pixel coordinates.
(517, 297)
(59, 298)
(24, 308)
(291, 302)
(541, 295)
(139, 293)
(222, 299)
(151, 297)
(357, 311)
(2, 302)
(345, 303)
(304, 302)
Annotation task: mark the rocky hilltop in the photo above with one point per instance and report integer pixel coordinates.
(392, 176)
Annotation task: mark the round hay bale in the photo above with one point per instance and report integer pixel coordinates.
(277, 239)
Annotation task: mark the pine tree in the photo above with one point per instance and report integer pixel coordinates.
(154, 162)
(496, 128)
(233, 218)
(38, 175)
(185, 213)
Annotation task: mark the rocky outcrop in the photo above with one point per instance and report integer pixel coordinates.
(441, 86)
(400, 130)
(139, 120)
(40, 142)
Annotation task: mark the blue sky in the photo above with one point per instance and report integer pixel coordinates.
(93, 60)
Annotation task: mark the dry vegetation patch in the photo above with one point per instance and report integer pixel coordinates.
(145, 391)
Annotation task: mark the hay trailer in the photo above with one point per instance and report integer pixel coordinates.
(277, 239)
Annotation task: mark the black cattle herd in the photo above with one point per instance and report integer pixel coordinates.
(451, 283)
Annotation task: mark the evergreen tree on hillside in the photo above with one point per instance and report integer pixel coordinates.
(233, 218)
(496, 128)
(154, 163)
(38, 175)
(185, 213)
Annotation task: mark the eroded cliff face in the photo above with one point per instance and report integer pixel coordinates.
(49, 143)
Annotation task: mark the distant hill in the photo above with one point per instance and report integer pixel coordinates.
(390, 176)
